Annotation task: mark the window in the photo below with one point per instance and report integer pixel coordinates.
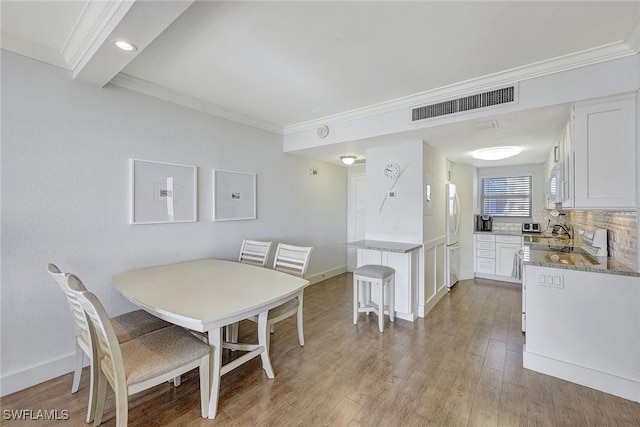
(507, 196)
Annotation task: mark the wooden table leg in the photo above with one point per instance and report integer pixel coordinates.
(215, 363)
(262, 341)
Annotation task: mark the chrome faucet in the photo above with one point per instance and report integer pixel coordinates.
(564, 228)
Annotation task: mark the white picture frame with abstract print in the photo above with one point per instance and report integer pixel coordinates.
(234, 195)
(163, 192)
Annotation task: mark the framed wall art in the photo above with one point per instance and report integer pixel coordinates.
(163, 192)
(234, 195)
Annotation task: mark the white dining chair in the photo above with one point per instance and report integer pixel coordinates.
(140, 363)
(292, 260)
(127, 326)
(255, 252)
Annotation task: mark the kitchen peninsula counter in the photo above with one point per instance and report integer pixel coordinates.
(404, 259)
(380, 245)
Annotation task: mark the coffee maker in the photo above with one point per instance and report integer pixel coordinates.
(484, 222)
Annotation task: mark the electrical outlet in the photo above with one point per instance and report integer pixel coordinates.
(396, 225)
(551, 281)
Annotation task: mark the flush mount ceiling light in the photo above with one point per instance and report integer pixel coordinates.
(125, 45)
(496, 153)
(348, 160)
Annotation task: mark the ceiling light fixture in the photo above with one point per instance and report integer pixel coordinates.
(348, 160)
(125, 45)
(496, 153)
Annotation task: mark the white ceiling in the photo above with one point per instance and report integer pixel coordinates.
(277, 65)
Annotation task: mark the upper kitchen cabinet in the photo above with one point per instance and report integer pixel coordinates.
(566, 173)
(600, 161)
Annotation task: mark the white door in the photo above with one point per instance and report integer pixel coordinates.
(356, 207)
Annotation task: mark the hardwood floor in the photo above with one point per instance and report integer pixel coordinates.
(459, 366)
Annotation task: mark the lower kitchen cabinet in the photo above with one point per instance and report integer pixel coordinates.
(494, 256)
(584, 327)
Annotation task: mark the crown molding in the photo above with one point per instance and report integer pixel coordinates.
(97, 21)
(33, 50)
(142, 86)
(633, 39)
(538, 69)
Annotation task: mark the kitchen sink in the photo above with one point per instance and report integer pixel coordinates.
(566, 249)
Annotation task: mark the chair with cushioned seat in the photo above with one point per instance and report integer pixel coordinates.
(126, 326)
(139, 363)
(363, 278)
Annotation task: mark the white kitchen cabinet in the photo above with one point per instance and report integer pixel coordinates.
(566, 152)
(600, 161)
(406, 277)
(584, 327)
(505, 254)
(494, 255)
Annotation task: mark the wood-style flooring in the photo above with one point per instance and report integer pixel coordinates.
(459, 366)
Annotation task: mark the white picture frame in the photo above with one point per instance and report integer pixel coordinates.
(234, 195)
(163, 192)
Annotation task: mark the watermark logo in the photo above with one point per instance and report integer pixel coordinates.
(35, 414)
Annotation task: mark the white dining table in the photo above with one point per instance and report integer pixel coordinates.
(207, 295)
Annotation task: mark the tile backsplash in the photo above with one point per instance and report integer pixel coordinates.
(622, 226)
(506, 226)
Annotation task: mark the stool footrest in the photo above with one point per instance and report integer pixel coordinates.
(384, 278)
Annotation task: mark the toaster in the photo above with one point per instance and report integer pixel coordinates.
(531, 227)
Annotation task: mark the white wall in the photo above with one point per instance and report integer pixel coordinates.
(65, 191)
(400, 219)
(434, 232)
(464, 176)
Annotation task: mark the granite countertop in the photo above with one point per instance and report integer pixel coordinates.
(380, 245)
(572, 256)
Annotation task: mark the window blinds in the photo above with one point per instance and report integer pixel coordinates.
(507, 196)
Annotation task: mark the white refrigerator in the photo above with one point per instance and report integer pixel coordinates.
(452, 257)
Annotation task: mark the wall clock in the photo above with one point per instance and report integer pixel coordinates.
(391, 170)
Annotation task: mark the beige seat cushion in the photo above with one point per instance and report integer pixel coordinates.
(135, 324)
(159, 352)
(374, 271)
(292, 304)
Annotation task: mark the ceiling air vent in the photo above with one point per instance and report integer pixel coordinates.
(504, 95)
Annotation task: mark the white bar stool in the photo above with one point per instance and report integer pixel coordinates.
(363, 277)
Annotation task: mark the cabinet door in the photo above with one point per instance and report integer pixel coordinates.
(505, 254)
(566, 150)
(401, 263)
(605, 154)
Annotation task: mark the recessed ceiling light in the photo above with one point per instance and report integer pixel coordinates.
(496, 153)
(125, 45)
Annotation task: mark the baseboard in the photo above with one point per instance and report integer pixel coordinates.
(598, 380)
(38, 374)
(466, 275)
(431, 302)
(498, 278)
(327, 274)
